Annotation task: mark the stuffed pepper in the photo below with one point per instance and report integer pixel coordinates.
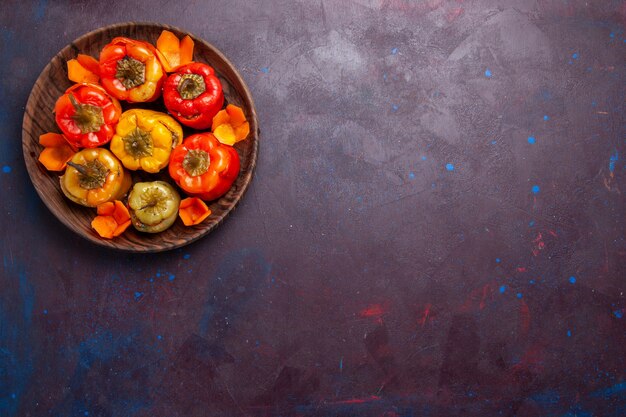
(130, 70)
(193, 95)
(204, 167)
(93, 177)
(87, 115)
(144, 139)
(153, 206)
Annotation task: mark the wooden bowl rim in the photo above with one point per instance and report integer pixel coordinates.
(245, 94)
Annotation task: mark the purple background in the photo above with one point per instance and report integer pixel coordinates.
(435, 228)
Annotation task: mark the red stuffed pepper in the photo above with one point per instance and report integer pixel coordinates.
(193, 95)
(204, 167)
(87, 115)
(131, 71)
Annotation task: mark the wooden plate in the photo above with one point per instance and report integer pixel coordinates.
(39, 119)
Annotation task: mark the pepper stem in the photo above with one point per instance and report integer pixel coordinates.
(92, 174)
(87, 117)
(191, 86)
(138, 143)
(196, 162)
(130, 72)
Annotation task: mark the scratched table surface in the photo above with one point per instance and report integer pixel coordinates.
(435, 226)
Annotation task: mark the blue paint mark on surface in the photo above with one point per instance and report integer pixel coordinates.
(532, 281)
(265, 70)
(449, 167)
(546, 397)
(575, 55)
(171, 277)
(488, 73)
(103, 347)
(6, 169)
(159, 337)
(577, 411)
(258, 270)
(359, 199)
(40, 11)
(546, 95)
(498, 260)
(138, 295)
(618, 313)
(535, 189)
(569, 333)
(612, 35)
(341, 364)
(572, 280)
(519, 295)
(493, 142)
(594, 103)
(384, 76)
(423, 158)
(86, 413)
(610, 391)
(45, 312)
(158, 275)
(612, 160)
(531, 223)
(16, 356)
(546, 117)
(394, 108)
(26, 292)
(531, 140)
(394, 51)
(411, 175)
(502, 289)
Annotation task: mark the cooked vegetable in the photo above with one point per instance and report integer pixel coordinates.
(144, 139)
(173, 52)
(193, 211)
(203, 167)
(193, 95)
(93, 177)
(57, 151)
(230, 126)
(83, 69)
(153, 206)
(112, 219)
(131, 71)
(90, 63)
(87, 115)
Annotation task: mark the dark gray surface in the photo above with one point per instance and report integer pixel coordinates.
(359, 276)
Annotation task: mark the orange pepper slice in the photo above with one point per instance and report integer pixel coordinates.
(90, 63)
(219, 119)
(57, 151)
(237, 118)
(225, 134)
(230, 126)
(112, 220)
(173, 52)
(83, 69)
(193, 211)
(104, 225)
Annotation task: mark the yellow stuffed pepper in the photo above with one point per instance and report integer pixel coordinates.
(144, 139)
(94, 176)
